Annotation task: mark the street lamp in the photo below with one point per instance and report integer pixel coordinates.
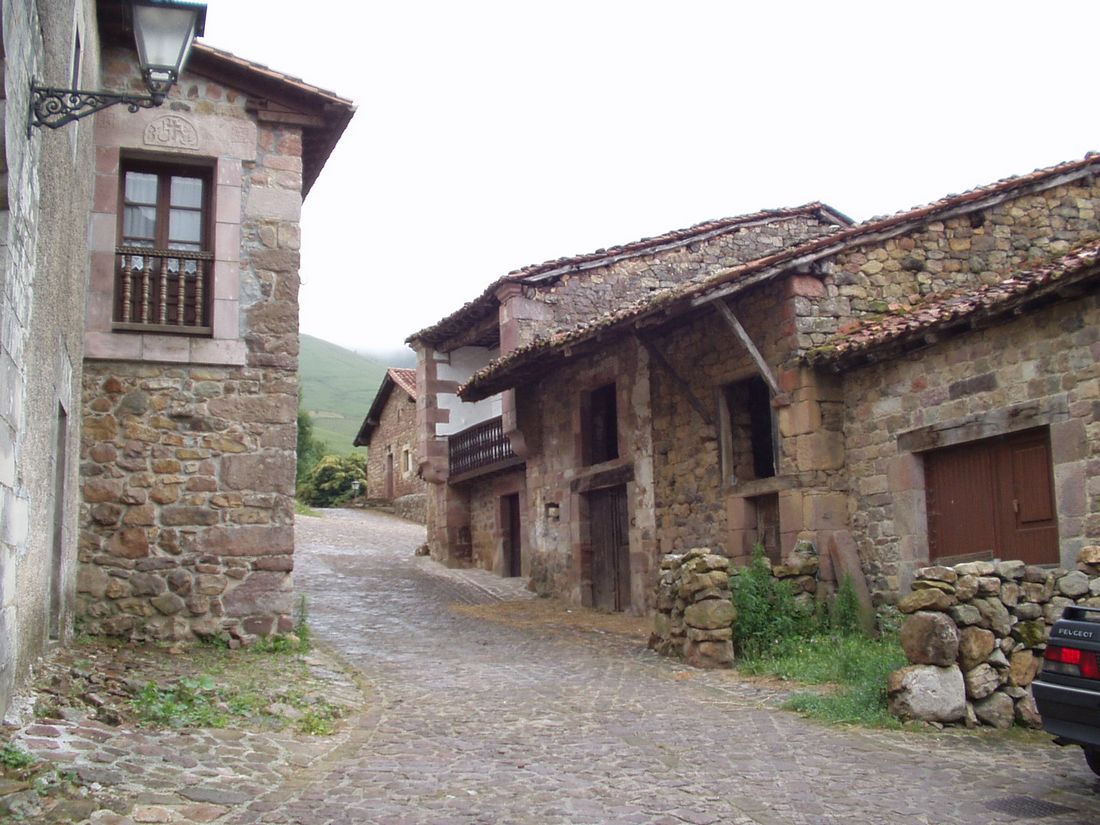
(163, 31)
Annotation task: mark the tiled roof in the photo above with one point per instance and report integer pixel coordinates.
(405, 379)
(394, 377)
(474, 310)
(533, 358)
(927, 321)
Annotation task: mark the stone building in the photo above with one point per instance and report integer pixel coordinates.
(857, 390)
(389, 434)
(45, 198)
(147, 471)
(517, 478)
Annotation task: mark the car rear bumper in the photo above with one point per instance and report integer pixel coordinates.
(1069, 712)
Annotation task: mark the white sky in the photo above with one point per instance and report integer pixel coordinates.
(492, 135)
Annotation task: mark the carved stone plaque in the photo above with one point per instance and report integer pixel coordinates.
(173, 131)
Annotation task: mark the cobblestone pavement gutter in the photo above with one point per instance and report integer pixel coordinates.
(472, 721)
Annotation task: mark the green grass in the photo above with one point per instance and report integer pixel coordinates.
(775, 636)
(338, 386)
(14, 758)
(855, 666)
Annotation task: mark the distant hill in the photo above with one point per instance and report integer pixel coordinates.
(338, 386)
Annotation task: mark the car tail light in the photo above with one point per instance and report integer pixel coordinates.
(1071, 661)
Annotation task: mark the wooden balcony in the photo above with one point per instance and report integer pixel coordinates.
(163, 290)
(478, 450)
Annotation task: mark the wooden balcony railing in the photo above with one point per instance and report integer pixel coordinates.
(477, 447)
(163, 290)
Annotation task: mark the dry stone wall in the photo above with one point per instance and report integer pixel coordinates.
(694, 614)
(975, 638)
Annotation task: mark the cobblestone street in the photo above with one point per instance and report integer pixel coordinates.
(482, 723)
(563, 722)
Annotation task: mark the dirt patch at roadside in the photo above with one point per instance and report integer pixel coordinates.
(555, 614)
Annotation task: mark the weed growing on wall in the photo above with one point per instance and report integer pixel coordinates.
(775, 637)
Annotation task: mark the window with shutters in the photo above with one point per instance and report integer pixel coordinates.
(164, 258)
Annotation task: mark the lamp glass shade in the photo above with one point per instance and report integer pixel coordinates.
(164, 33)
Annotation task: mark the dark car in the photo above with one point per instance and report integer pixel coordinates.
(1067, 690)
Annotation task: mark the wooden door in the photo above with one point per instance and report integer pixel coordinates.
(388, 478)
(993, 498)
(609, 531)
(510, 530)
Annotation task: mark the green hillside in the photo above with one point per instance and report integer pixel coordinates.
(338, 386)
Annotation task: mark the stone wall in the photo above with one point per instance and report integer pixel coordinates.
(394, 434)
(1039, 370)
(579, 297)
(694, 613)
(558, 481)
(188, 451)
(412, 507)
(188, 481)
(977, 248)
(975, 637)
(45, 195)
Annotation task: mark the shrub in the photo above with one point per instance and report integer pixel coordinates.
(328, 483)
(766, 610)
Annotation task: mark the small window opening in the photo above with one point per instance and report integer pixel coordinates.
(748, 431)
(600, 425)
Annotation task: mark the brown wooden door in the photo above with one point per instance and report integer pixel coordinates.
(510, 529)
(387, 480)
(610, 548)
(993, 499)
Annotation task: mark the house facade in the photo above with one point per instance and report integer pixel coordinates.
(389, 434)
(858, 390)
(161, 469)
(514, 476)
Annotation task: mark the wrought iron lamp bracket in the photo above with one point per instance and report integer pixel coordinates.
(54, 108)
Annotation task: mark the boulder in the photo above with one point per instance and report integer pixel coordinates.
(930, 639)
(965, 614)
(1023, 667)
(1011, 570)
(975, 568)
(1089, 555)
(938, 573)
(926, 600)
(927, 584)
(927, 693)
(981, 681)
(996, 710)
(1030, 634)
(966, 588)
(1026, 712)
(989, 586)
(710, 614)
(975, 645)
(1073, 584)
(995, 616)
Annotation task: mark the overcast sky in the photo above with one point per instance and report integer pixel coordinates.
(492, 135)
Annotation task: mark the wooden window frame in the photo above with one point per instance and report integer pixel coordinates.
(728, 454)
(165, 170)
(591, 452)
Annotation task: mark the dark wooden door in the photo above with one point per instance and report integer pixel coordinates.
(610, 548)
(510, 528)
(993, 499)
(387, 480)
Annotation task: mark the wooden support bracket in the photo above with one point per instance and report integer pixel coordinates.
(738, 330)
(680, 383)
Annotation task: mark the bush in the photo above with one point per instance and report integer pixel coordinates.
(766, 609)
(310, 448)
(328, 483)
